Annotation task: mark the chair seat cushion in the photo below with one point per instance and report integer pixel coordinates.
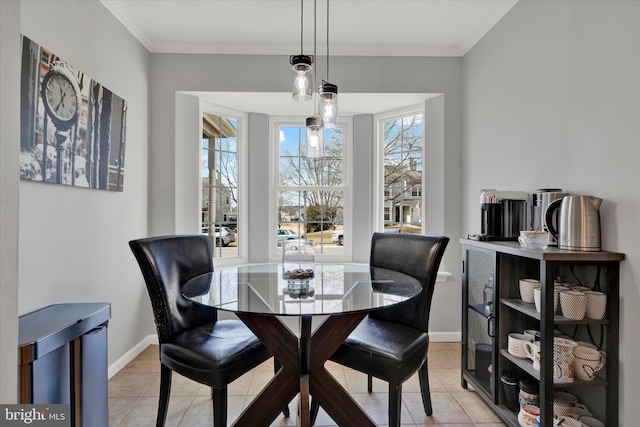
(386, 350)
(214, 354)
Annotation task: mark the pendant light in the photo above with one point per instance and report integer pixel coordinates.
(315, 126)
(301, 68)
(315, 137)
(328, 93)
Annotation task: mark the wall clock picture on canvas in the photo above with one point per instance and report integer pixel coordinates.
(72, 127)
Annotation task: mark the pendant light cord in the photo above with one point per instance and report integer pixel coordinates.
(315, 24)
(328, 40)
(301, 26)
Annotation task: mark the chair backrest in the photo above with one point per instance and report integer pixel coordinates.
(167, 262)
(414, 255)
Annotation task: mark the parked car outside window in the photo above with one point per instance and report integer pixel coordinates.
(286, 234)
(223, 235)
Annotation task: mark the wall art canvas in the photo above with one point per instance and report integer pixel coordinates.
(72, 127)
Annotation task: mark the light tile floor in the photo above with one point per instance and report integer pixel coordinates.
(133, 395)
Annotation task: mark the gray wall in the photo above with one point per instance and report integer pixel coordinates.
(552, 99)
(73, 241)
(9, 187)
(173, 73)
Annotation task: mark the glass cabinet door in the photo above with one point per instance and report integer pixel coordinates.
(479, 318)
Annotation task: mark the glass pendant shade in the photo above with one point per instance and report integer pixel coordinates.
(328, 104)
(301, 77)
(315, 137)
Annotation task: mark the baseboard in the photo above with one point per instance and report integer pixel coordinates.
(123, 361)
(445, 336)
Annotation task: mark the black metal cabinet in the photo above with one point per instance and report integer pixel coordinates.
(62, 353)
(508, 263)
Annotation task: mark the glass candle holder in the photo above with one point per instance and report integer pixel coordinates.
(298, 260)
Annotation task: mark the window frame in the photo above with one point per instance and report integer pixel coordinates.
(379, 187)
(275, 122)
(242, 222)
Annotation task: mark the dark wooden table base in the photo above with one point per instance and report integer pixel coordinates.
(303, 370)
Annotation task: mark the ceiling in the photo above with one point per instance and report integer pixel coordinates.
(272, 27)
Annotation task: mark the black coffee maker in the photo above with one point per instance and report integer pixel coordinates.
(503, 214)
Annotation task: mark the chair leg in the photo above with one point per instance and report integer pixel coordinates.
(423, 376)
(395, 404)
(165, 392)
(369, 383)
(276, 367)
(313, 411)
(220, 407)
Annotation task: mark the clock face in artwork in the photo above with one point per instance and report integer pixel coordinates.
(61, 96)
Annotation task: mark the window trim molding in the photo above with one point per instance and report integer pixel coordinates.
(275, 122)
(378, 159)
(243, 190)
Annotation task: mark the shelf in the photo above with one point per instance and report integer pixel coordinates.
(527, 366)
(507, 416)
(549, 254)
(530, 310)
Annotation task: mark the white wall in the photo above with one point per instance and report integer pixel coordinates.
(73, 241)
(172, 73)
(552, 99)
(9, 187)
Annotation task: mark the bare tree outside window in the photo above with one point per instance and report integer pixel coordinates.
(310, 190)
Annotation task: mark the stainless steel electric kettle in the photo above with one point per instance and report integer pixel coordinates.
(578, 222)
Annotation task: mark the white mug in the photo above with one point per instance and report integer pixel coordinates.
(556, 295)
(573, 304)
(588, 362)
(564, 403)
(532, 334)
(596, 304)
(585, 344)
(563, 359)
(516, 345)
(532, 350)
(578, 411)
(565, 396)
(526, 289)
(537, 293)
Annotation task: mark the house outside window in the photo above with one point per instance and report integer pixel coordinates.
(219, 184)
(401, 140)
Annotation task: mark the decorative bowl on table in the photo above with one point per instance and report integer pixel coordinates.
(299, 293)
(298, 259)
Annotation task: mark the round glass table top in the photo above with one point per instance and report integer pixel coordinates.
(331, 289)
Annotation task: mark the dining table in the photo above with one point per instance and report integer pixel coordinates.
(338, 295)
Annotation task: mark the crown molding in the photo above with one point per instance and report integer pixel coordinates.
(119, 11)
(483, 28)
(344, 50)
(121, 14)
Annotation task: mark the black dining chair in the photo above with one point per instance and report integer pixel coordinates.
(193, 341)
(392, 343)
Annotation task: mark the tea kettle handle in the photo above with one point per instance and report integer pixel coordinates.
(548, 216)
